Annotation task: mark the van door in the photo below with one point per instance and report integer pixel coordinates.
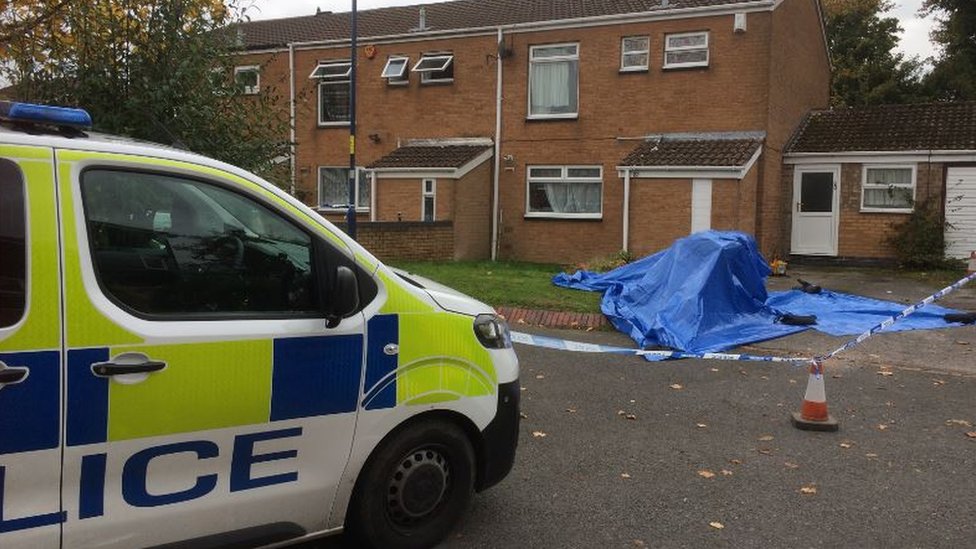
(207, 401)
(30, 351)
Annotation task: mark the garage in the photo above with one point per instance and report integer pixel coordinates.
(960, 212)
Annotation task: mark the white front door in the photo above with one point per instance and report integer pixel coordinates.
(816, 210)
(960, 212)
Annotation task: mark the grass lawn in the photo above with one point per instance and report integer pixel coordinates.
(507, 283)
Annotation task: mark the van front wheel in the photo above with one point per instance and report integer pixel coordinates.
(415, 488)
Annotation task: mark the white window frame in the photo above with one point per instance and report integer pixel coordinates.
(564, 177)
(426, 75)
(865, 184)
(256, 69)
(668, 49)
(424, 195)
(624, 52)
(400, 79)
(528, 95)
(338, 62)
(360, 208)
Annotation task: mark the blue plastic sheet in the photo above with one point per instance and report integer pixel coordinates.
(707, 293)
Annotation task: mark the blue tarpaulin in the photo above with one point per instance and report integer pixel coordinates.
(707, 293)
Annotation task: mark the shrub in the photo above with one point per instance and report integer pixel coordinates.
(919, 241)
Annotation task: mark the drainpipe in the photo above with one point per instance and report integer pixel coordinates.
(626, 208)
(291, 114)
(498, 136)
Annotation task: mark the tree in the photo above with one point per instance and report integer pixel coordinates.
(954, 75)
(159, 70)
(867, 69)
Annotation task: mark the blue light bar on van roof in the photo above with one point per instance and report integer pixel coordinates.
(45, 114)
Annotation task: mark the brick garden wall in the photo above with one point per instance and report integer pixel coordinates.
(407, 241)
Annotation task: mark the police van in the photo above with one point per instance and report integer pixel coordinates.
(190, 357)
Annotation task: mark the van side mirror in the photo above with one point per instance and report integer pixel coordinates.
(344, 297)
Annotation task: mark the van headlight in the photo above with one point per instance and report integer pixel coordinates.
(492, 331)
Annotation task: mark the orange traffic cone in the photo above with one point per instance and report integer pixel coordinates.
(813, 414)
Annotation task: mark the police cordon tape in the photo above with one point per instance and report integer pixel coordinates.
(580, 347)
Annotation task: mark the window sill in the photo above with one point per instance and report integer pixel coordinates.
(634, 70)
(397, 83)
(565, 217)
(332, 210)
(551, 117)
(887, 210)
(685, 66)
(333, 124)
(436, 82)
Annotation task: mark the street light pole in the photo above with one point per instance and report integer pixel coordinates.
(353, 176)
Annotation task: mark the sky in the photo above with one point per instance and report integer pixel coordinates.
(914, 39)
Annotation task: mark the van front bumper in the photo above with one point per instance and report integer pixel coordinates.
(500, 438)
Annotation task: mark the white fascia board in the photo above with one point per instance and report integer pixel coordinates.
(560, 24)
(442, 141)
(869, 157)
(415, 173)
(474, 163)
(690, 172)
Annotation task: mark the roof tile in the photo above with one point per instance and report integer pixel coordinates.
(430, 156)
(692, 152)
(453, 15)
(922, 126)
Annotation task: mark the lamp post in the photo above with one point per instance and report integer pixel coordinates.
(353, 176)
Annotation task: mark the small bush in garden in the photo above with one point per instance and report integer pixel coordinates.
(604, 264)
(919, 241)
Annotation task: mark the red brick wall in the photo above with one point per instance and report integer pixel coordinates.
(660, 212)
(799, 81)
(472, 213)
(401, 199)
(864, 235)
(414, 241)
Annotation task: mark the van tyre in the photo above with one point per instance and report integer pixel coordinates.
(414, 488)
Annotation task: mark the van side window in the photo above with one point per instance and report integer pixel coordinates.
(13, 245)
(177, 248)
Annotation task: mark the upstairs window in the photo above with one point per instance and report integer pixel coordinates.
(554, 81)
(634, 53)
(248, 78)
(395, 70)
(334, 92)
(888, 189)
(688, 49)
(565, 192)
(435, 68)
(334, 188)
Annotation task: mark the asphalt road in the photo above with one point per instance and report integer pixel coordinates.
(710, 445)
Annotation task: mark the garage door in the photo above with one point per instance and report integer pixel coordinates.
(960, 212)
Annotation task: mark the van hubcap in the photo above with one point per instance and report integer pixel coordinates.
(418, 486)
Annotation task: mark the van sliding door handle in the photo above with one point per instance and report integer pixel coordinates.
(10, 375)
(127, 363)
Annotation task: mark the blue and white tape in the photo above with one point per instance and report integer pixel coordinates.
(580, 347)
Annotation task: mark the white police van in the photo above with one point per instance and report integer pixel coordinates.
(191, 357)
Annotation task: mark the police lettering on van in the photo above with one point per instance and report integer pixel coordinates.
(190, 356)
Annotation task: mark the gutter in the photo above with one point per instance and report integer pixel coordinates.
(626, 215)
(291, 115)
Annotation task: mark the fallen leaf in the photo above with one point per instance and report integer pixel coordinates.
(521, 321)
(676, 386)
(571, 410)
(765, 451)
(632, 401)
(792, 382)
(589, 329)
(705, 473)
(624, 475)
(870, 456)
(763, 377)
(701, 425)
(726, 472)
(766, 438)
(735, 461)
(713, 369)
(962, 422)
(957, 342)
(631, 417)
(639, 543)
(971, 434)
(538, 434)
(523, 416)
(938, 382)
(836, 376)
(522, 388)
(882, 427)
(885, 373)
(808, 489)
(621, 413)
(716, 525)
(791, 465)
(540, 376)
(846, 445)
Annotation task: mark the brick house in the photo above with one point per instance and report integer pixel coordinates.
(544, 130)
(851, 175)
